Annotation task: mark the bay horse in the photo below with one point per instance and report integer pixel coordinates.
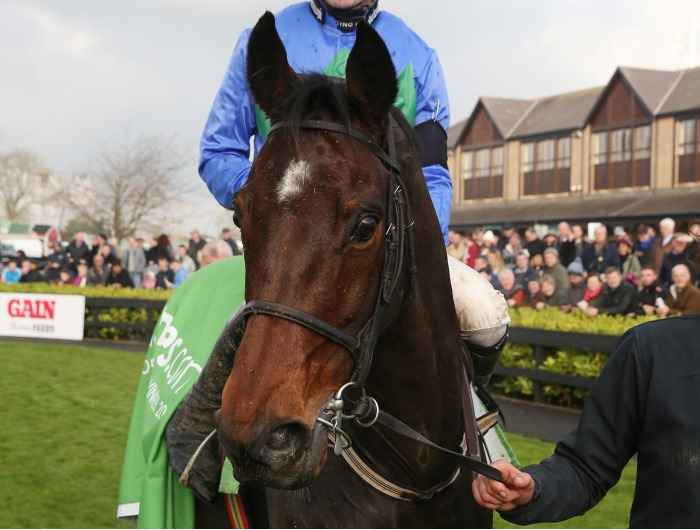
(347, 280)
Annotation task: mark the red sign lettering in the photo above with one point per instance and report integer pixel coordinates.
(42, 309)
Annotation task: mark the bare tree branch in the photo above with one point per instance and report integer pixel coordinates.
(22, 180)
(132, 183)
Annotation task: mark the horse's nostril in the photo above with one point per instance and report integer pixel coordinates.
(286, 437)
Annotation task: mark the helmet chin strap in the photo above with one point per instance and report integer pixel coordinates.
(346, 19)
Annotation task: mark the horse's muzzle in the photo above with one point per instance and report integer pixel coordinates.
(284, 455)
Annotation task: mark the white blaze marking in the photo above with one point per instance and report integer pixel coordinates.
(293, 180)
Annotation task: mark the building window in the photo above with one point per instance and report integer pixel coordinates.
(600, 148)
(686, 137)
(545, 155)
(467, 165)
(528, 157)
(564, 153)
(642, 142)
(621, 157)
(688, 149)
(482, 173)
(546, 166)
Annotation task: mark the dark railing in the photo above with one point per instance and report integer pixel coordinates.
(544, 343)
(135, 325)
(138, 322)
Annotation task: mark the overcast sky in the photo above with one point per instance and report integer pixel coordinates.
(75, 72)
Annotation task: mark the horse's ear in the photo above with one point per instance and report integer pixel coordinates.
(270, 77)
(370, 76)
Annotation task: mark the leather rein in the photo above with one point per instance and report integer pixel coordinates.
(399, 258)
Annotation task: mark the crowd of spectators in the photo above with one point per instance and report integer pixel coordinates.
(137, 264)
(652, 270)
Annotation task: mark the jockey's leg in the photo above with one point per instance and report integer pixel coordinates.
(483, 316)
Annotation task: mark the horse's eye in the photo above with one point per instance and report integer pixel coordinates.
(365, 228)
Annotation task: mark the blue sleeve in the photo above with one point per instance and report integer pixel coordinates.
(225, 146)
(432, 104)
(439, 184)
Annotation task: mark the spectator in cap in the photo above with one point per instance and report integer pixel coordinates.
(683, 298)
(678, 255)
(600, 254)
(577, 284)
(556, 270)
(629, 262)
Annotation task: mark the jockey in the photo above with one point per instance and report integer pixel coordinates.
(318, 36)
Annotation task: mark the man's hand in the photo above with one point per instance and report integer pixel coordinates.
(518, 489)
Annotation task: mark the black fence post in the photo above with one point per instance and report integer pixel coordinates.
(540, 354)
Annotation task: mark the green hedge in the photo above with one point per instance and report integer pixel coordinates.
(564, 361)
(92, 292)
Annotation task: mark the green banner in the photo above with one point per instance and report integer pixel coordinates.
(182, 341)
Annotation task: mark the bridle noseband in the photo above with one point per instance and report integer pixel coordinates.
(399, 261)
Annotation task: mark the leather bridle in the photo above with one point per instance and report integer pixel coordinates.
(399, 260)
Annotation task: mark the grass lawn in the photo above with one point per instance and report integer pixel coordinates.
(64, 420)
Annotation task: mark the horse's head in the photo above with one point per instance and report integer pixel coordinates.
(312, 218)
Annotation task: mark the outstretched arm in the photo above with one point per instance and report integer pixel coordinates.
(588, 462)
(225, 145)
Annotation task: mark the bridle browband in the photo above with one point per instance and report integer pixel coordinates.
(399, 260)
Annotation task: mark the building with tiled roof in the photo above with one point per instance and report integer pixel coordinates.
(627, 151)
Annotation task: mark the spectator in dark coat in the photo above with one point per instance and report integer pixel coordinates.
(618, 297)
(600, 255)
(30, 272)
(533, 244)
(163, 249)
(97, 243)
(196, 243)
(98, 272)
(78, 249)
(678, 255)
(165, 277)
(648, 248)
(650, 291)
(566, 245)
(227, 236)
(579, 237)
(523, 273)
(118, 276)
